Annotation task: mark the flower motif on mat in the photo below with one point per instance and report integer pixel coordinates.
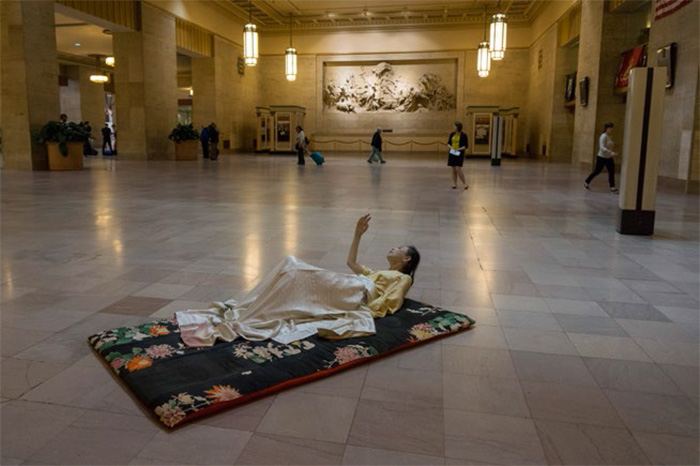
(350, 353)
(221, 393)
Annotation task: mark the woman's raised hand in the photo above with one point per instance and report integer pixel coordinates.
(362, 225)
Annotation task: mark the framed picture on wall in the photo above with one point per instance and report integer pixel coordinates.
(583, 91)
(482, 133)
(570, 91)
(666, 56)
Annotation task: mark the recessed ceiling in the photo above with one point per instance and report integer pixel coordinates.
(91, 38)
(353, 14)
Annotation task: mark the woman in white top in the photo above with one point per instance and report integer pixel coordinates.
(301, 145)
(604, 159)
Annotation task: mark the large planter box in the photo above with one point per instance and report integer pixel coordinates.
(186, 150)
(73, 161)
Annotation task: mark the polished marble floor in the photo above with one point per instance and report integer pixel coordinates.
(585, 352)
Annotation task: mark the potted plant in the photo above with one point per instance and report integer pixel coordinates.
(64, 144)
(186, 138)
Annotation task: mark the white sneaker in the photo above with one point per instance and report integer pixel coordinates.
(586, 185)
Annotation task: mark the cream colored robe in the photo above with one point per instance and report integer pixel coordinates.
(294, 301)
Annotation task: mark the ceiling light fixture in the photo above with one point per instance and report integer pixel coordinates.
(290, 57)
(76, 44)
(497, 41)
(109, 61)
(483, 58)
(250, 39)
(98, 77)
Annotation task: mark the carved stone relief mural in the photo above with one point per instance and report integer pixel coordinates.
(401, 88)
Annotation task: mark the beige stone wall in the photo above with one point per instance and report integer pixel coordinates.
(28, 50)
(681, 102)
(541, 96)
(70, 95)
(92, 102)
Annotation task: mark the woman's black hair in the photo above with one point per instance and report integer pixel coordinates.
(299, 128)
(458, 125)
(410, 267)
(607, 125)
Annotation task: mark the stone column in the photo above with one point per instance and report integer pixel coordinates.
(92, 102)
(146, 87)
(215, 85)
(590, 41)
(29, 80)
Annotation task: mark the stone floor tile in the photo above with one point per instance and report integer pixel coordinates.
(651, 412)
(538, 341)
(27, 427)
(487, 362)
(631, 375)
(519, 303)
(398, 426)
(484, 394)
(375, 456)
(593, 325)
(16, 340)
(633, 311)
(136, 306)
(276, 450)
(491, 439)
(163, 291)
(600, 346)
(196, 444)
(305, 415)
(669, 449)
(552, 368)
(410, 386)
(576, 444)
(575, 307)
(487, 337)
(529, 320)
(687, 378)
(19, 375)
(570, 403)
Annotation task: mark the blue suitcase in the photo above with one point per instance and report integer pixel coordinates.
(317, 157)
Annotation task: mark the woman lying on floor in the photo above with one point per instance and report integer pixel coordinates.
(296, 300)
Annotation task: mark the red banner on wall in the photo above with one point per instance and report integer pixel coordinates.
(664, 8)
(630, 59)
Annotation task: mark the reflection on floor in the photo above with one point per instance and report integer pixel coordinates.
(586, 349)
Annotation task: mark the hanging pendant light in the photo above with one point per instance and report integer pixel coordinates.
(250, 39)
(98, 76)
(499, 30)
(109, 61)
(483, 58)
(290, 57)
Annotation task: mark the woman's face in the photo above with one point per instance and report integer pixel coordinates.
(399, 253)
(608, 131)
(456, 129)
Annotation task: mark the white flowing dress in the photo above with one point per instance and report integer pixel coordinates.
(294, 301)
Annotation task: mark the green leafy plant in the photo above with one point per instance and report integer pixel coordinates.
(184, 133)
(62, 133)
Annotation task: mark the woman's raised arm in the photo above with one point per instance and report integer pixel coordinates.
(360, 229)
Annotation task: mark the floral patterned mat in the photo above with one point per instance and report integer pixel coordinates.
(178, 383)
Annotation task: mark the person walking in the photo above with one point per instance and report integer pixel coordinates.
(457, 143)
(107, 139)
(605, 159)
(301, 145)
(87, 145)
(376, 147)
(214, 138)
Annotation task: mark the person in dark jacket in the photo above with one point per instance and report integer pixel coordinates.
(204, 139)
(107, 139)
(457, 143)
(214, 138)
(376, 147)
